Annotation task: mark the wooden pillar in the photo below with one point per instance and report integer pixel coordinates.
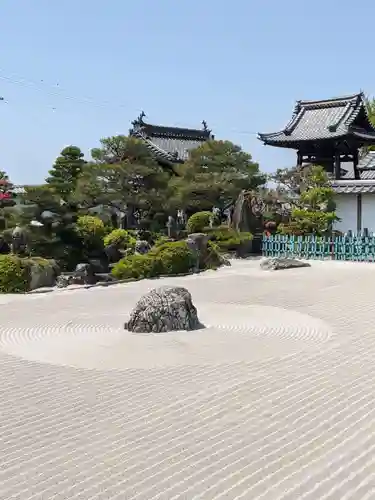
(359, 213)
(355, 165)
(299, 159)
(337, 166)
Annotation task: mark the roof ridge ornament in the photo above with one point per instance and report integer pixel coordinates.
(138, 122)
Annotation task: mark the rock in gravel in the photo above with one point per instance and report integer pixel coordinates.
(164, 309)
(279, 263)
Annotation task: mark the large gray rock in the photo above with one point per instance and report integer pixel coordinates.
(164, 309)
(42, 275)
(279, 263)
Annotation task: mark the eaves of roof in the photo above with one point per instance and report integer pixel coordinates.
(324, 120)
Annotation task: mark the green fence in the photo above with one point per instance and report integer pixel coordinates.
(355, 247)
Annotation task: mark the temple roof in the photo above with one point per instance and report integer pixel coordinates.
(324, 120)
(169, 144)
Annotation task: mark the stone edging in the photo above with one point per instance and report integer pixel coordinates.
(108, 283)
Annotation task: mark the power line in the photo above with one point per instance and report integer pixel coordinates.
(57, 91)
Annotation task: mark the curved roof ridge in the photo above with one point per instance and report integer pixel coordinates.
(333, 100)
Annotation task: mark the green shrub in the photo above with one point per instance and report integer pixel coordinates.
(228, 240)
(175, 257)
(14, 274)
(213, 259)
(91, 229)
(121, 238)
(198, 221)
(161, 240)
(137, 267)
(165, 259)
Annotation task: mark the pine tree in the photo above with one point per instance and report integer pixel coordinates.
(66, 171)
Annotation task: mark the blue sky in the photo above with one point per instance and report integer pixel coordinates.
(72, 72)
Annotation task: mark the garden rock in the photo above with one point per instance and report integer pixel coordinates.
(280, 263)
(164, 309)
(63, 281)
(83, 275)
(42, 275)
(142, 247)
(113, 253)
(197, 243)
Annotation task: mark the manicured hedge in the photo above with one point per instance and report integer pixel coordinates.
(165, 259)
(198, 221)
(120, 237)
(227, 239)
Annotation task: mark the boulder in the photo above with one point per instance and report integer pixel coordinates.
(164, 309)
(42, 274)
(62, 281)
(84, 274)
(279, 263)
(112, 253)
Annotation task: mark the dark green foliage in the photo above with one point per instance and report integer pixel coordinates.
(198, 221)
(124, 181)
(215, 174)
(66, 171)
(126, 172)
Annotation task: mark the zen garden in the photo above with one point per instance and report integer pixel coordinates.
(167, 201)
(210, 331)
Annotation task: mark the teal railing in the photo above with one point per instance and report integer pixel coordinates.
(355, 247)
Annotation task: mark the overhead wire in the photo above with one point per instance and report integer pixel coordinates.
(57, 91)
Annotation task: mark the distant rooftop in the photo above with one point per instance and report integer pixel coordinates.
(169, 144)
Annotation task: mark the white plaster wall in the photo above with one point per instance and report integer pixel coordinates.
(346, 209)
(368, 211)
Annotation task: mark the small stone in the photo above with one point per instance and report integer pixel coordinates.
(279, 263)
(164, 309)
(62, 281)
(142, 247)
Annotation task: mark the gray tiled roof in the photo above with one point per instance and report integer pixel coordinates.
(353, 187)
(326, 119)
(171, 144)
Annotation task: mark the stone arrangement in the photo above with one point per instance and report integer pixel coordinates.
(164, 309)
(280, 263)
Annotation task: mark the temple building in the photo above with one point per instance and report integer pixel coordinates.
(335, 133)
(169, 145)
